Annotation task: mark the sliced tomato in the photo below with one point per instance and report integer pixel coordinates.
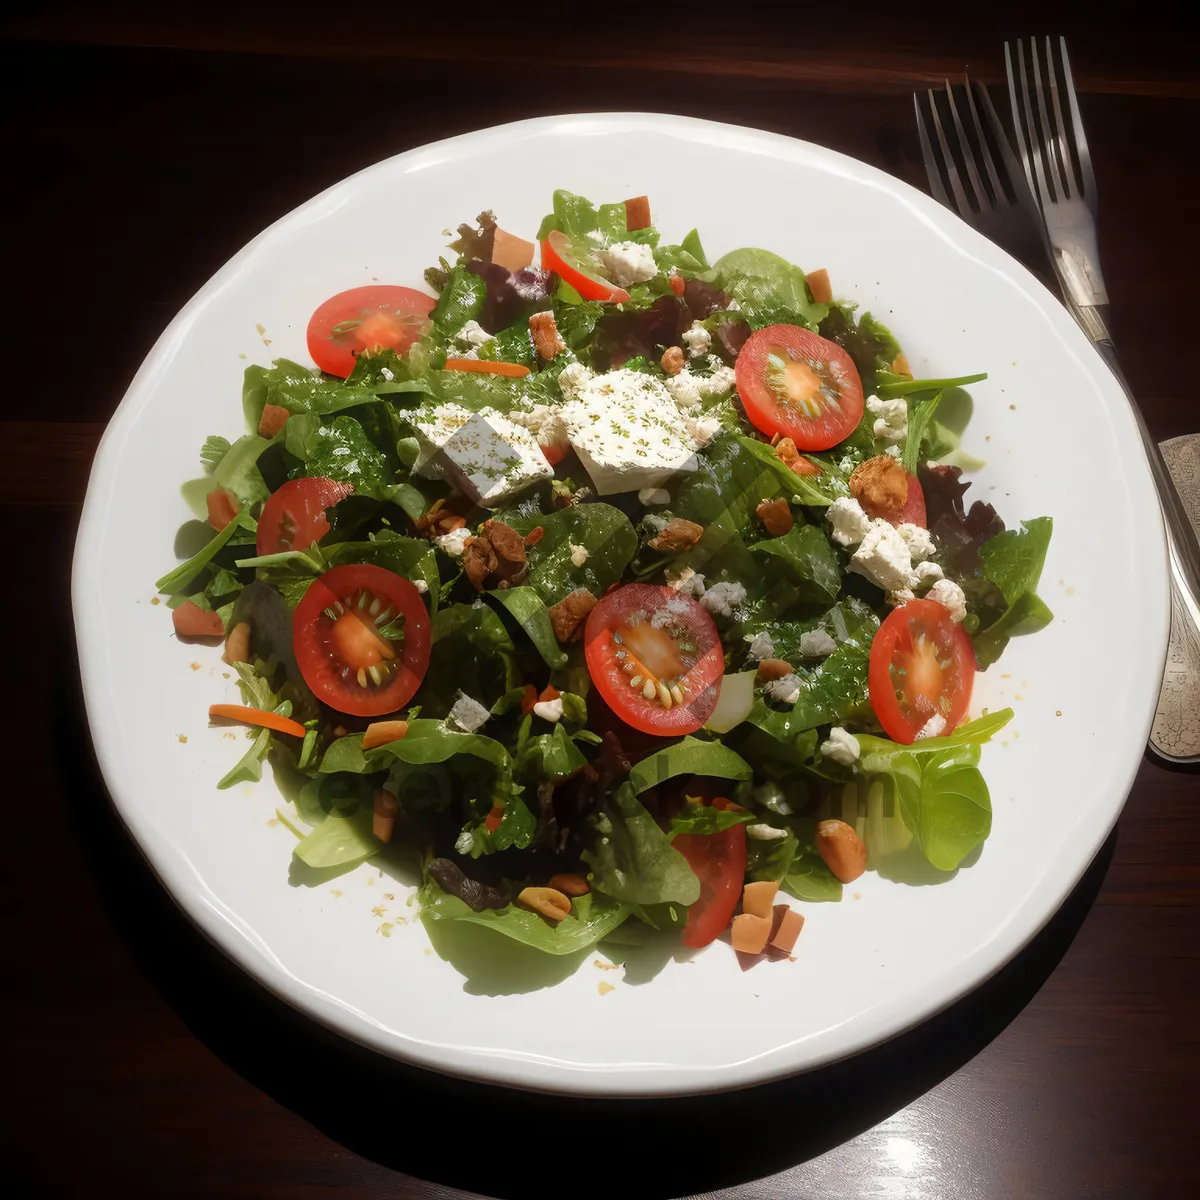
(798, 385)
(294, 516)
(343, 653)
(655, 657)
(222, 507)
(579, 268)
(913, 512)
(366, 318)
(719, 860)
(922, 665)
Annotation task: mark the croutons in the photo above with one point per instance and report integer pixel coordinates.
(818, 284)
(637, 213)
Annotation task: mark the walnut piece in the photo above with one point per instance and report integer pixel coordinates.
(677, 534)
(673, 360)
(776, 516)
(772, 668)
(496, 558)
(881, 487)
(546, 339)
(567, 617)
(479, 561)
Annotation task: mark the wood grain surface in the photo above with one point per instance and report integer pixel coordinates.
(147, 144)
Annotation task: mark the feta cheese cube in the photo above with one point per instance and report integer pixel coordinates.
(434, 430)
(883, 558)
(850, 523)
(489, 457)
(892, 423)
(947, 592)
(917, 539)
(572, 379)
(816, 643)
(466, 714)
(697, 340)
(627, 263)
(762, 645)
(928, 572)
(785, 690)
(841, 746)
(472, 335)
(722, 598)
(627, 432)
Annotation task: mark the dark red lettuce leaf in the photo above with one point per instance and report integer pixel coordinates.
(733, 335)
(477, 243)
(646, 332)
(703, 299)
(512, 295)
(959, 533)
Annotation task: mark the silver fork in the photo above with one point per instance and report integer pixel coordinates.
(1058, 167)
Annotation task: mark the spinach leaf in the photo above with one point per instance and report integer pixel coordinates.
(602, 530)
(573, 215)
(729, 483)
(1029, 614)
(808, 557)
(767, 289)
(691, 756)
(868, 342)
(906, 387)
(300, 390)
(549, 756)
(427, 741)
(410, 558)
(1013, 561)
(592, 917)
(632, 860)
(704, 819)
(471, 652)
(238, 472)
(341, 840)
(461, 300)
(341, 450)
(529, 610)
(804, 488)
(175, 581)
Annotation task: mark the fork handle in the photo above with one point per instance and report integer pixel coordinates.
(1181, 536)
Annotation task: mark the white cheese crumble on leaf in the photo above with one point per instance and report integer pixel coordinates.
(722, 598)
(947, 592)
(785, 690)
(697, 339)
(841, 747)
(850, 523)
(549, 710)
(892, 423)
(627, 263)
(816, 643)
(883, 558)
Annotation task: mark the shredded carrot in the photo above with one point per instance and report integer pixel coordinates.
(549, 692)
(256, 716)
(492, 823)
(484, 367)
(222, 508)
(529, 699)
(678, 286)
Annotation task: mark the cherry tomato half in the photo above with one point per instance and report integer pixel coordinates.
(578, 268)
(365, 318)
(719, 861)
(913, 512)
(922, 664)
(341, 637)
(798, 385)
(294, 515)
(656, 658)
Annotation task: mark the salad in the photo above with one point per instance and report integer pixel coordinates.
(627, 592)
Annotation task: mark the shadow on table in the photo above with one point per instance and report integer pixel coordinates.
(420, 1123)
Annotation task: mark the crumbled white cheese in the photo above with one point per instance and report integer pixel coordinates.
(850, 523)
(892, 423)
(627, 263)
(894, 452)
(386, 373)
(549, 710)
(771, 795)
(900, 596)
(490, 458)
(654, 496)
(454, 541)
(947, 592)
(434, 430)
(421, 586)
(932, 728)
(916, 538)
(722, 598)
(572, 379)
(689, 390)
(628, 433)
(579, 555)
(762, 645)
(472, 335)
(467, 714)
(785, 690)
(765, 833)
(928, 572)
(723, 379)
(687, 583)
(697, 340)
(816, 643)
(841, 746)
(883, 558)
(702, 429)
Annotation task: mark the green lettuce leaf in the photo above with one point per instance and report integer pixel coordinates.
(767, 289)
(341, 840)
(342, 450)
(807, 555)
(461, 299)
(175, 581)
(691, 756)
(1012, 561)
(906, 387)
(704, 819)
(529, 611)
(427, 741)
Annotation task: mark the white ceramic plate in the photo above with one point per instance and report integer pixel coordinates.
(1058, 438)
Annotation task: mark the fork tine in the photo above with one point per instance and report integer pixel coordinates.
(1023, 123)
(1057, 183)
(960, 198)
(936, 187)
(967, 154)
(1059, 137)
(997, 134)
(1081, 146)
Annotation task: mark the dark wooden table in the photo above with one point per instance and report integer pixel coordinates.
(144, 147)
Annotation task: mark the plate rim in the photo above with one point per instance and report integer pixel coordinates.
(191, 894)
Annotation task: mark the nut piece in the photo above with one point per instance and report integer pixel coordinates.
(237, 644)
(383, 823)
(568, 616)
(637, 213)
(842, 849)
(547, 901)
(570, 885)
(379, 733)
(786, 924)
(772, 668)
(776, 516)
(757, 898)
(818, 284)
(546, 339)
(672, 360)
(479, 561)
(496, 558)
(677, 534)
(749, 933)
(439, 521)
(786, 452)
(880, 485)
